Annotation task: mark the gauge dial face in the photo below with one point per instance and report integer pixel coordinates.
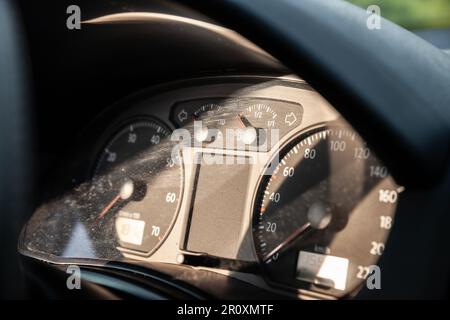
(140, 189)
(322, 218)
(264, 122)
(277, 117)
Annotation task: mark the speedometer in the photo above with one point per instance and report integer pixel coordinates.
(322, 218)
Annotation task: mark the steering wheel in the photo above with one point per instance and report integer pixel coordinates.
(389, 84)
(15, 149)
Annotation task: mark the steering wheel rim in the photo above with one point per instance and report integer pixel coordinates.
(15, 161)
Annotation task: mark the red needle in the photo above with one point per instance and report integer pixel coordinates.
(241, 123)
(126, 191)
(106, 209)
(288, 241)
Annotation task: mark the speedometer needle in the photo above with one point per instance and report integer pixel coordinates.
(126, 191)
(319, 217)
(288, 241)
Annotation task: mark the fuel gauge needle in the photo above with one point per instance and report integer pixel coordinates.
(126, 191)
(250, 133)
(241, 121)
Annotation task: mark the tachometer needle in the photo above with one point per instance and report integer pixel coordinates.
(287, 241)
(126, 191)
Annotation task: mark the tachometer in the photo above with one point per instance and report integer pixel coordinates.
(140, 186)
(322, 218)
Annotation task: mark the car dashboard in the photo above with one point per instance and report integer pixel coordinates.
(176, 151)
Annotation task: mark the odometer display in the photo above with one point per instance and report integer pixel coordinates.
(323, 216)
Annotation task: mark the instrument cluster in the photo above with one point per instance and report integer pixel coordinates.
(255, 175)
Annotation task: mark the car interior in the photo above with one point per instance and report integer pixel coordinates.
(232, 149)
